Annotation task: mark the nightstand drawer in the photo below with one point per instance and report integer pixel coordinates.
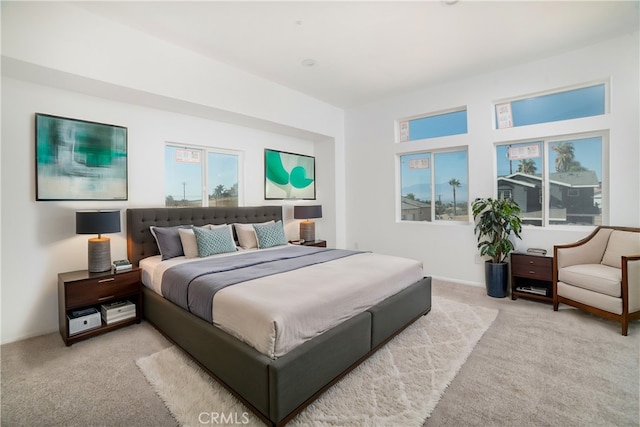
(539, 272)
(532, 261)
(102, 289)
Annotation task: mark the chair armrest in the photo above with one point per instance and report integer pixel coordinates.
(631, 281)
(586, 251)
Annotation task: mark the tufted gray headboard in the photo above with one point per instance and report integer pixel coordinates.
(141, 244)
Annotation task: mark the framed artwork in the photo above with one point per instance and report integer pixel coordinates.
(289, 176)
(80, 160)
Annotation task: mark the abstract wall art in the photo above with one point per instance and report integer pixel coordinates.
(80, 160)
(289, 176)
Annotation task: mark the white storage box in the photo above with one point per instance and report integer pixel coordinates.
(117, 311)
(83, 320)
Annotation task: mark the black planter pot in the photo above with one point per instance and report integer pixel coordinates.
(496, 277)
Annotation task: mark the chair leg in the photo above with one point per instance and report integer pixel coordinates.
(555, 306)
(625, 326)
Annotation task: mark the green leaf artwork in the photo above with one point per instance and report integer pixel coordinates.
(289, 176)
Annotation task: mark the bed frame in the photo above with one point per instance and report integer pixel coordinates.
(274, 389)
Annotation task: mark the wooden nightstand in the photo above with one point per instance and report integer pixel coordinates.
(318, 243)
(81, 289)
(532, 276)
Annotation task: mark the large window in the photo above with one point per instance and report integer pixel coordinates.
(434, 186)
(564, 105)
(554, 180)
(433, 126)
(197, 176)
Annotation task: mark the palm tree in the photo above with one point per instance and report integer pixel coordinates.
(217, 193)
(527, 166)
(565, 156)
(454, 183)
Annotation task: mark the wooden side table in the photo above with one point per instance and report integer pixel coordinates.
(318, 243)
(531, 276)
(81, 289)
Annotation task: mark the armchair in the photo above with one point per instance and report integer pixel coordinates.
(600, 274)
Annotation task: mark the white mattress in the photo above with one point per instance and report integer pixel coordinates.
(275, 314)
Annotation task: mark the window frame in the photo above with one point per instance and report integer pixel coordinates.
(545, 180)
(432, 172)
(559, 90)
(204, 170)
(399, 122)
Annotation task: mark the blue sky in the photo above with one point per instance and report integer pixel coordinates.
(447, 165)
(223, 169)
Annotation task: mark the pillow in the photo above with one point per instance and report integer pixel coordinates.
(270, 235)
(188, 239)
(620, 243)
(168, 240)
(247, 235)
(216, 241)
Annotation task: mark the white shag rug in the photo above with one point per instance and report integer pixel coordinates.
(399, 385)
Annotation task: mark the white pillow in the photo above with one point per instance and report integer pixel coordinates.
(188, 239)
(247, 235)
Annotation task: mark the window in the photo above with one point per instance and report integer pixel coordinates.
(196, 176)
(554, 180)
(565, 105)
(448, 197)
(433, 126)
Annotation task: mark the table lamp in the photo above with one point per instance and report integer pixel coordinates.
(307, 227)
(98, 222)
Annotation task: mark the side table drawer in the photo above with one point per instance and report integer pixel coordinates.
(91, 291)
(532, 271)
(531, 260)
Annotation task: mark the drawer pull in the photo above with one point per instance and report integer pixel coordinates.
(530, 262)
(111, 279)
(105, 298)
(532, 272)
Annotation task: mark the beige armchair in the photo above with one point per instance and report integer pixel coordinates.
(600, 274)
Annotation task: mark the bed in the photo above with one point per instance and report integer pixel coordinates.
(274, 386)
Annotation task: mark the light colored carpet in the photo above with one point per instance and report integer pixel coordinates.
(399, 385)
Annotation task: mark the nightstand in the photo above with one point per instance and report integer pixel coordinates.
(318, 243)
(532, 276)
(81, 289)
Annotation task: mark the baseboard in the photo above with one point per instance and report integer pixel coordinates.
(459, 282)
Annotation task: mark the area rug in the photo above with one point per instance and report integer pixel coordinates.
(399, 385)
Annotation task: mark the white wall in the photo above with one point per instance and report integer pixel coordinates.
(62, 60)
(449, 249)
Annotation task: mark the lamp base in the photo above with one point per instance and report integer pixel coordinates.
(308, 231)
(99, 254)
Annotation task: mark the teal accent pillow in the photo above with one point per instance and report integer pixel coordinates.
(269, 235)
(212, 242)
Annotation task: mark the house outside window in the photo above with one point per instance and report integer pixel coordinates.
(556, 181)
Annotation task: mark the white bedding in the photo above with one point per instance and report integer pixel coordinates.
(275, 314)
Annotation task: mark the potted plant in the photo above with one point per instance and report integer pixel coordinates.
(496, 221)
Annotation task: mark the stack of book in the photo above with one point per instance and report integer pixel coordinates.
(121, 264)
(117, 311)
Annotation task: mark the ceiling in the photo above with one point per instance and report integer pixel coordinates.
(364, 51)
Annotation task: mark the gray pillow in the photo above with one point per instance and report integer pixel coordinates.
(168, 240)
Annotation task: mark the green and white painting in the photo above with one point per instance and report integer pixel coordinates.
(80, 160)
(289, 176)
